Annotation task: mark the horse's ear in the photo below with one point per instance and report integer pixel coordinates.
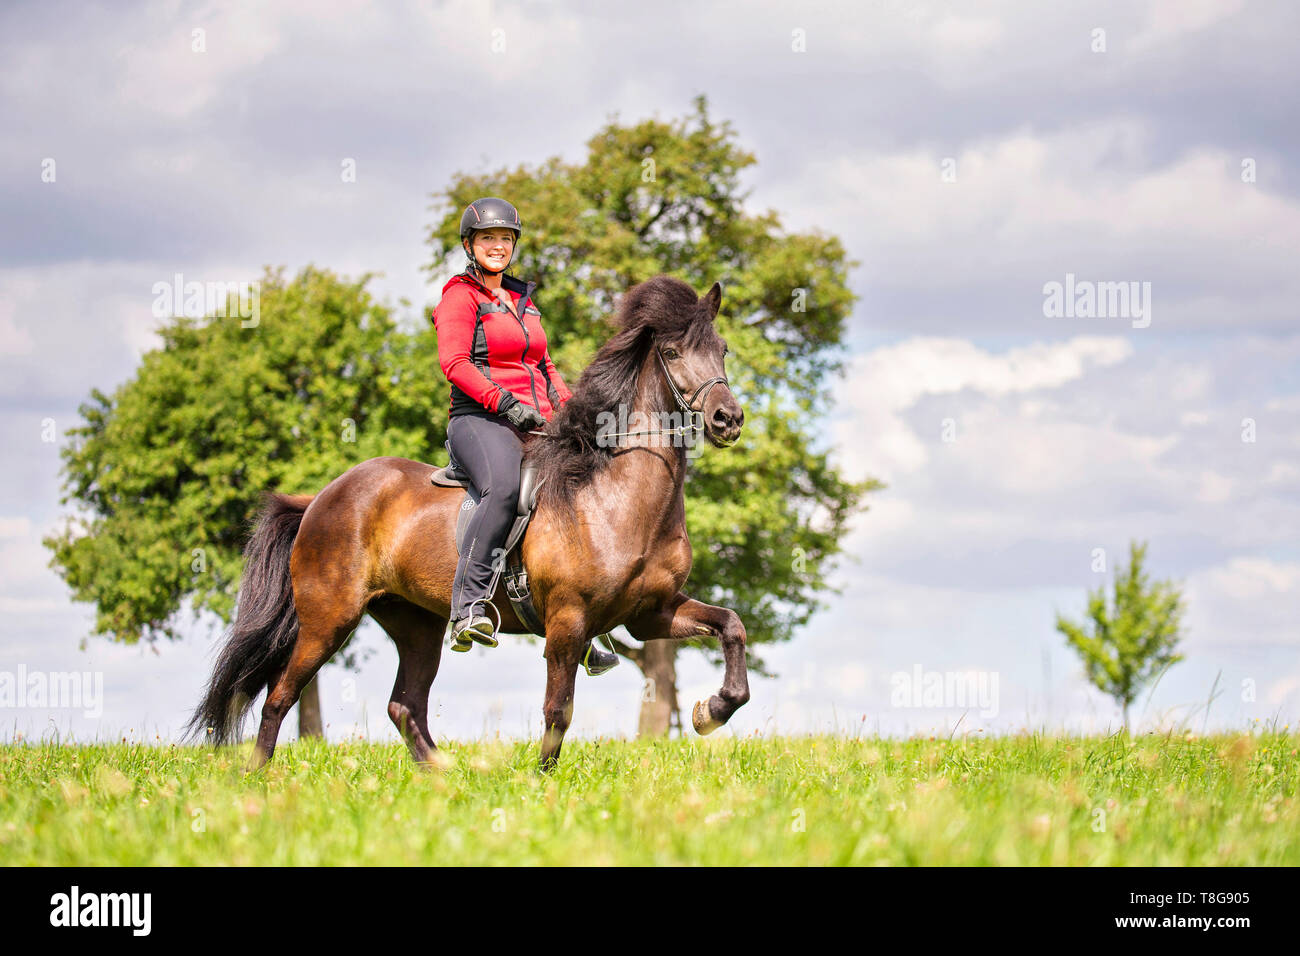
(713, 299)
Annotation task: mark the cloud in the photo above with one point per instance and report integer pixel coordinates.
(1246, 600)
(1169, 20)
(1008, 467)
(14, 340)
(15, 527)
(898, 376)
(26, 581)
(972, 256)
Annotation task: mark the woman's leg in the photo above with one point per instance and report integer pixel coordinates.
(489, 450)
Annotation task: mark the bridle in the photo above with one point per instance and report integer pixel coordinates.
(694, 416)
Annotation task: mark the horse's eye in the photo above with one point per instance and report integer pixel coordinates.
(670, 353)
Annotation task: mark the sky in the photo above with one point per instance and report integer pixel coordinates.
(971, 156)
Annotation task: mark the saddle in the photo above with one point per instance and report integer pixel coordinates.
(516, 574)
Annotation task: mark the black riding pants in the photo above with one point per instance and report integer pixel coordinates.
(489, 449)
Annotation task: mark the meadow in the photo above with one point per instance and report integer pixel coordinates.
(1031, 799)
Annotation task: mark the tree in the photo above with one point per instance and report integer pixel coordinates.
(766, 516)
(169, 470)
(1132, 639)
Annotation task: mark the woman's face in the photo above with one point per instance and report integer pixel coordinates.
(493, 248)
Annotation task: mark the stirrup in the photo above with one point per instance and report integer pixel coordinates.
(597, 661)
(464, 639)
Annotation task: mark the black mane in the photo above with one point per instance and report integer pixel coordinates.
(569, 457)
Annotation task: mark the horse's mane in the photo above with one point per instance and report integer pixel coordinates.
(568, 457)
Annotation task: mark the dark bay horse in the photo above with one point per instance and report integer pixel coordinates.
(607, 545)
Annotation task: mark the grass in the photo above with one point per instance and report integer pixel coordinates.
(1023, 800)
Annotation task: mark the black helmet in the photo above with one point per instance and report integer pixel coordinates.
(489, 214)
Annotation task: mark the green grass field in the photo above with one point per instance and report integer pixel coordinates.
(1036, 800)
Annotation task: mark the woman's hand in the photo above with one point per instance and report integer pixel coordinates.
(521, 415)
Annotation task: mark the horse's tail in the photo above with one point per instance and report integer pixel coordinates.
(266, 623)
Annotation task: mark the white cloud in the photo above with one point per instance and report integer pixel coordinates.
(1060, 448)
(15, 527)
(25, 577)
(18, 605)
(1247, 600)
(895, 377)
(1249, 579)
(14, 339)
(1283, 403)
(1168, 20)
(1088, 199)
(164, 73)
(1214, 488)
(1281, 689)
(956, 36)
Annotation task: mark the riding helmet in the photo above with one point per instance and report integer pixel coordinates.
(488, 213)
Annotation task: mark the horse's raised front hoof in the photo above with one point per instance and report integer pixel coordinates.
(703, 720)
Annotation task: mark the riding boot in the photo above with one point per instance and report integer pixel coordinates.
(471, 628)
(596, 660)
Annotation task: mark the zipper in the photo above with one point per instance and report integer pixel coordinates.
(523, 359)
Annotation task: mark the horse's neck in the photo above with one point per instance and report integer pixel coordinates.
(654, 464)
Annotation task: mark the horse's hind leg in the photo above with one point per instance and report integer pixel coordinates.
(322, 630)
(418, 636)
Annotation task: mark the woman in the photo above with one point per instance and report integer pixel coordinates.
(493, 350)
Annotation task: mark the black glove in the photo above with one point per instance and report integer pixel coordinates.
(521, 415)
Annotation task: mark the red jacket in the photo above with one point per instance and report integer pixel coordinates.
(485, 351)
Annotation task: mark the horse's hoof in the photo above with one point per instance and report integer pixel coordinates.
(703, 720)
(437, 761)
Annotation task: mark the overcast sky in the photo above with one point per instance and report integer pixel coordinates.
(969, 154)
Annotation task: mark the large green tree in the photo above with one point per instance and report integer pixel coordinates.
(765, 517)
(168, 470)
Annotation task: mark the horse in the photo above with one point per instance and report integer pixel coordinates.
(606, 546)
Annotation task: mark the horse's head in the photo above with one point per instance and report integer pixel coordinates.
(694, 365)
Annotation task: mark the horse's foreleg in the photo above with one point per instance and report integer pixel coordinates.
(564, 646)
(683, 618)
